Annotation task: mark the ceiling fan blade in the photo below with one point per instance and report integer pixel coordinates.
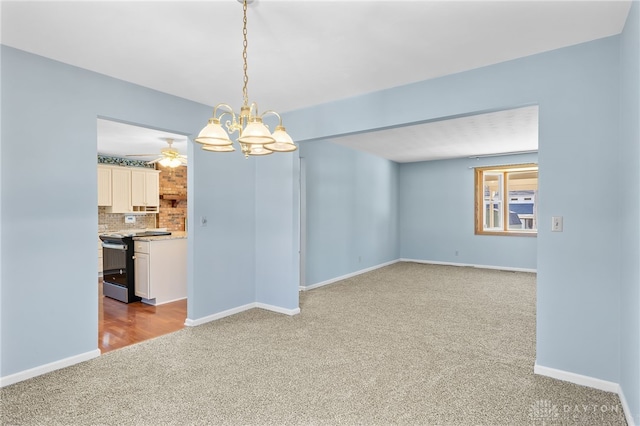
(140, 155)
(154, 161)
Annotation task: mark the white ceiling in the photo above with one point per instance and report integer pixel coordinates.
(514, 130)
(138, 143)
(301, 53)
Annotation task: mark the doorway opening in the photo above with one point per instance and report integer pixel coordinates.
(142, 190)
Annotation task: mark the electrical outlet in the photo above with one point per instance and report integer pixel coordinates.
(129, 219)
(556, 224)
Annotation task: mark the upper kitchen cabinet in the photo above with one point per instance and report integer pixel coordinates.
(145, 190)
(104, 186)
(132, 189)
(121, 191)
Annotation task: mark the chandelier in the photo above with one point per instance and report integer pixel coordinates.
(254, 137)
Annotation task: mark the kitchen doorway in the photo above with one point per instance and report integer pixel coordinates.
(151, 197)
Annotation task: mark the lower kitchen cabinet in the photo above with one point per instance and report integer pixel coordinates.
(160, 270)
(141, 268)
(99, 257)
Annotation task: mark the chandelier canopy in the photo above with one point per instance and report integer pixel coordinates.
(254, 136)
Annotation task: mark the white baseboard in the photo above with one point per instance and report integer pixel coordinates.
(278, 309)
(578, 379)
(627, 410)
(469, 265)
(588, 381)
(428, 262)
(192, 323)
(47, 368)
(344, 277)
(153, 302)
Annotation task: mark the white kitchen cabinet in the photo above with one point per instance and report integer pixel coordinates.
(142, 279)
(145, 190)
(121, 191)
(99, 256)
(160, 270)
(130, 189)
(104, 186)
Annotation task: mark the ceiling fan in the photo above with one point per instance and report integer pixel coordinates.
(168, 157)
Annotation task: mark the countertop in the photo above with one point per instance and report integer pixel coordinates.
(175, 235)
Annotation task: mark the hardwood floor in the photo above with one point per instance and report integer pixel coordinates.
(122, 324)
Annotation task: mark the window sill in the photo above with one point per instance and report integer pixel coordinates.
(508, 233)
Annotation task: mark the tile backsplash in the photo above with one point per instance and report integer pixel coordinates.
(115, 221)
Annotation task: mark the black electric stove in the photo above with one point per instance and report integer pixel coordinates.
(118, 267)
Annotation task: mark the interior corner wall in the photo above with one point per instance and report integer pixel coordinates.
(277, 272)
(351, 210)
(437, 216)
(629, 195)
(221, 218)
(576, 89)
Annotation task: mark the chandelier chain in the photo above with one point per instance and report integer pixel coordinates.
(254, 136)
(244, 54)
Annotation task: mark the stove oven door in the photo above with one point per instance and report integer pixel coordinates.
(114, 263)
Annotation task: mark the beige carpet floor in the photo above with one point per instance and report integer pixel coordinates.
(405, 344)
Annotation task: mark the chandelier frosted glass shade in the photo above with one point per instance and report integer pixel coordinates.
(257, 150)
(282, 141)
(218, 148)
(256, 133)
(213, 134)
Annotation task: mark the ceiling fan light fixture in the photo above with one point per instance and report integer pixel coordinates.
(170, 162)
(255, 139)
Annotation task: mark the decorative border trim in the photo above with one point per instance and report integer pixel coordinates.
(588, 381)
(344, 277)
(128, 162)
(470, 265)
(47, 368)
(192, 323)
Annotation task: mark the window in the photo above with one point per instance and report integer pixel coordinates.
(506, 200)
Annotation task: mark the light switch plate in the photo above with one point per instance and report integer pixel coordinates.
(556, 224)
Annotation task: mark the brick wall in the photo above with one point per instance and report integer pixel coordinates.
(173, 182)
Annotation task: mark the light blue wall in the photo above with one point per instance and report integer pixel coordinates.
(49, 211)
(277, 227)
(351, 210)
(576, 89)
(223, 191)
(437, 216)
(629, 193)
